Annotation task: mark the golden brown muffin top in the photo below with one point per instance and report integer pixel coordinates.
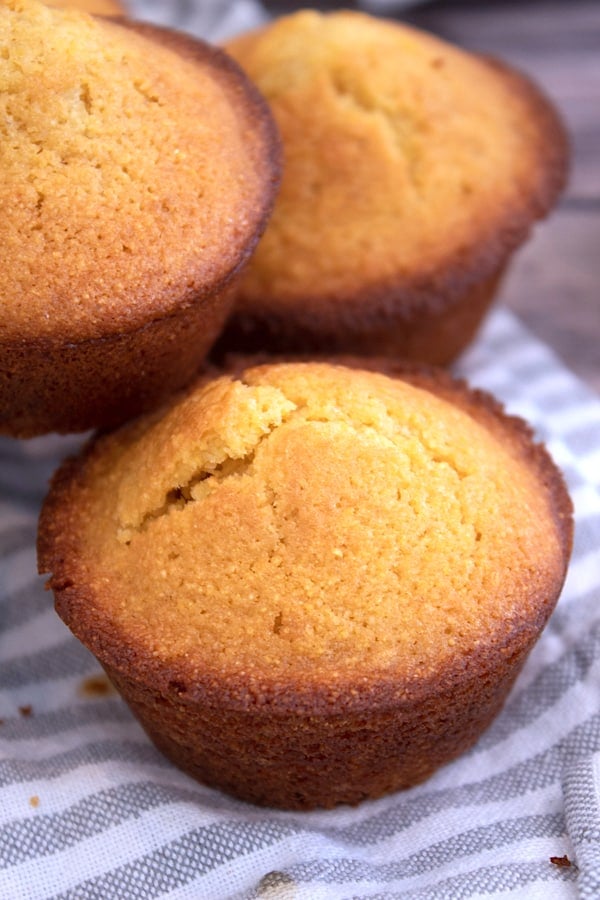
(404, 157)
(134, 172)
(307, 524)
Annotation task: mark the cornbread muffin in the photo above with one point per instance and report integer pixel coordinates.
(312, 584)
(412, 171)
(137, 169)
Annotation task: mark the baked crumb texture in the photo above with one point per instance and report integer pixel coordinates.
(312, 584)
(94, 7)
(412, 172)
(138, 167)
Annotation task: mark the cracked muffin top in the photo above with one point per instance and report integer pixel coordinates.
(408, 162)
(135, 172)
(307, 523)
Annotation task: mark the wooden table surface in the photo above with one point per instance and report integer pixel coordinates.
(554, 282)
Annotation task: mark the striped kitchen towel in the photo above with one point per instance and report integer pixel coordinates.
(218, 20)
(89, 809)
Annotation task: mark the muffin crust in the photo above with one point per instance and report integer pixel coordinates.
(412, 171)
(138, 168)
(312, 584)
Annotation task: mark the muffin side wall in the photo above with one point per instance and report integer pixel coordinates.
(300, 761)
